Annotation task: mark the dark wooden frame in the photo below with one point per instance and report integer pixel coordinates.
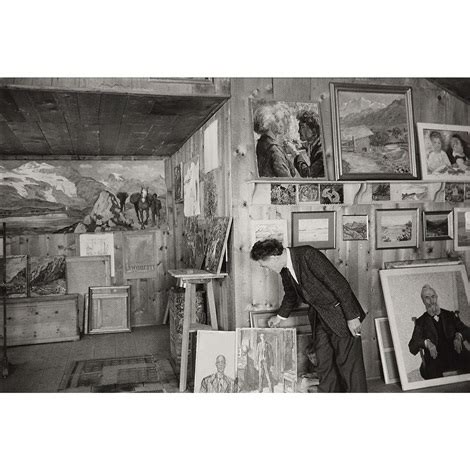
(450, 225)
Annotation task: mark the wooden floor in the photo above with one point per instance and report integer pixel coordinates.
(40, 367)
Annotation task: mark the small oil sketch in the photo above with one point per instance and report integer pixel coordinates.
(454, 192)
(265, 358)
(215, 362)
(414, 192)
(437, 225)
(331, 193)
(16, 284)
(283, 194)
(47, 275)
(308, 193)
(381, 191)
(355, 227)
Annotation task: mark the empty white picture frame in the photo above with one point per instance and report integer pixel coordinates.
(387, 352)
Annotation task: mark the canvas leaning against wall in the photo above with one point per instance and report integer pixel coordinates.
(73, 196)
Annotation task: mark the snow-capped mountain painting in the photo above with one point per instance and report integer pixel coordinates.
(62, 196)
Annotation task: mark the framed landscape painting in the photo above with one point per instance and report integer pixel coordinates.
(355, 227)
(396, 228)
(444, 151)
(412, 297)
(317, 229)
(373, 133)
(437, 225)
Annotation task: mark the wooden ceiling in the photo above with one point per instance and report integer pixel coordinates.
(459, 87)
(56, 123)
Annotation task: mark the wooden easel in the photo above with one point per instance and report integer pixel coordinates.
(191, 278)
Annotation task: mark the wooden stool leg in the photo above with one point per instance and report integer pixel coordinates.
(189, 298)
(211, 305)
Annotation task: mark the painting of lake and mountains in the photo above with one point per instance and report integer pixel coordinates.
(80, 196)
(373, 136)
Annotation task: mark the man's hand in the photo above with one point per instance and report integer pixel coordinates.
(274, 321)
(458, 343)
(354, 326)
(431, 347)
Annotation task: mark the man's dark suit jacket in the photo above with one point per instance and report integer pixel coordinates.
(425, 328)
(321, 286)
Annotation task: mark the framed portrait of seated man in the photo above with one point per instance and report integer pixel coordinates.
(429, 314)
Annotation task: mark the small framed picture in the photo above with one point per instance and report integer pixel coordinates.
(308, 193)
(454, 192)
(317, 229)
(396, 228)
(462, 228)
(331, 193)
(444, 151)
(437, 225)
(355, 227)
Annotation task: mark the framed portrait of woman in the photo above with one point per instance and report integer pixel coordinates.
(288, 140)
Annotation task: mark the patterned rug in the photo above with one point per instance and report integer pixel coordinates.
(122, 374)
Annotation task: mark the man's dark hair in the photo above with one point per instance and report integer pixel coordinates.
(309, 118)
(264, 248)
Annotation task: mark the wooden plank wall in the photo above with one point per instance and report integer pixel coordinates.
(148, 296)
(358, 261)
(194, 148)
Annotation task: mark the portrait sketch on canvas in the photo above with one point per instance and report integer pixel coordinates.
(265, 356)
(215, 362)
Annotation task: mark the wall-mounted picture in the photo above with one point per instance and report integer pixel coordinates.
(411, 192)
(74, 196)
(331, 193)
(355, 227)
(381, 191)
(215, 362)
(429, 314)
(317, 229)
(308, 193)
(288, 139)
(283, 194)
(467, 191)
(191, 189)
(462, 228)
(269, 228)
(178, 182)
(265, 356)
(396, 228)
(17, 277)
(373, 133)
(437, 225)
(47, 275)
(387, 352)
(140, 255)
(444, 151)
(454, 192)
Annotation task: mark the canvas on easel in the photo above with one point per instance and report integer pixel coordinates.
(216, 245)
